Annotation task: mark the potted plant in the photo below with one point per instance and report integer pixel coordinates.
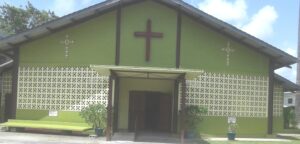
(95, 115)
(231, 131)
(192, 119)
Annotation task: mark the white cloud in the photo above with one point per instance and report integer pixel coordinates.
(86, 2)
(261, 24)
(235, 12)
(288, 73)
(291, 51)
(2, 2)
(63, 7)
(225, 10)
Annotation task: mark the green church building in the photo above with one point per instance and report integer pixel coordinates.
(146, 60)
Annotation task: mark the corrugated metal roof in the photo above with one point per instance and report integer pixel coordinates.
(170, 73)
(147, 72)
(287, 85)
(280, 58)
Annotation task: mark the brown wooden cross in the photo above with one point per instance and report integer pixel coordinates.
(148, 35)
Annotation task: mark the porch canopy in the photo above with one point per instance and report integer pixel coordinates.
(146, 72)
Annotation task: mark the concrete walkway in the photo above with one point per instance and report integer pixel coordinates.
(251, 139)
(34, 138)
(289, 136)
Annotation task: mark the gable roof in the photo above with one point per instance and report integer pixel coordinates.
(280, 58)
(287, 85)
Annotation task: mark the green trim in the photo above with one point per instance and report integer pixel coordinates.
(47, 125)
(247, 126)
(42, 115)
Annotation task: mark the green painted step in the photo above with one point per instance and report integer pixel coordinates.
(53, 125)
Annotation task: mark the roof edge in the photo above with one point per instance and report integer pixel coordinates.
(287, 84)
(280, 57)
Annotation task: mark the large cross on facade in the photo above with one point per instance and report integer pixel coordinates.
(228, 50)
(148, 35)
(67, 42)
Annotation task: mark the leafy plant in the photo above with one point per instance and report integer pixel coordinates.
(292, 118)
(95, 115)
(232, 127)
(289, 117)
(194, 115)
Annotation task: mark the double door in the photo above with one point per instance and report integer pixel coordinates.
(149, 111)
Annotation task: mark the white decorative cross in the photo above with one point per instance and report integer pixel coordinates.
(228, 50)
(67, 42)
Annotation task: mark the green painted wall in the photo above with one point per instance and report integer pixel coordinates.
(247, 127)
(201, 47)
(42, 115)
(94, 43)
(127, 85)
(278, 124)
(278, 120)
(134, 18)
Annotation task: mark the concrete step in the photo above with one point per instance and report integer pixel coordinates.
(123, 136)
(3, 129)
(288, 136)
(157, 137)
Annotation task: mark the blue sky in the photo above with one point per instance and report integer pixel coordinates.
(274, 21)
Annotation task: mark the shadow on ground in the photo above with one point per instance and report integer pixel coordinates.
(166, 138)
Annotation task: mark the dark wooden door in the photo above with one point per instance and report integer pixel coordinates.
(7, 108)
(165, 113)
(152, 109)
(136, 111)
(149, 111)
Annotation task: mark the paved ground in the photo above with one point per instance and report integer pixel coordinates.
(252, 139)
(31, 138)
(34, 138)
(289, 136)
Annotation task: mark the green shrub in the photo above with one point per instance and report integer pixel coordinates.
(95, 115)
(194, 115)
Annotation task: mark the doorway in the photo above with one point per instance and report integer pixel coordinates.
(7, 107)
(149, 111)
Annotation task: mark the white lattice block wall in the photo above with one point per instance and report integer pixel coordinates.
(60, 88)
(278, 100)
(229, 94)
(6, 85)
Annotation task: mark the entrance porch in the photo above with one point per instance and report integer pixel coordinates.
(145, 99)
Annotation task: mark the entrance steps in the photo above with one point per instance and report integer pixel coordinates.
(151, 137)
(157, 137)
(288, 136)
(123, 136)
(3, 129)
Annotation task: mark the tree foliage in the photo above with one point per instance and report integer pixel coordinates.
(17, 19)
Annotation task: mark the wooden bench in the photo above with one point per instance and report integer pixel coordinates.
(51, 125)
